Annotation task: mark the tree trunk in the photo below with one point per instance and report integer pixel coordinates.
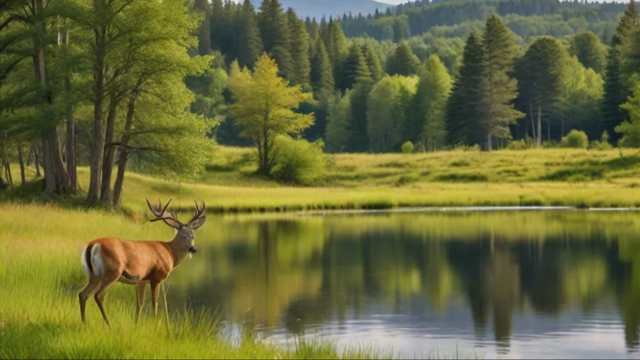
(55, 176)
(123, 153)
(489, 143)
(71, 143)
(539, 125)
(56, 179)
(109, 149)
(97, 147)
(36, 160)
(23, 177)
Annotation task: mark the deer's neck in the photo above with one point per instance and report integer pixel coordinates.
(178, 251)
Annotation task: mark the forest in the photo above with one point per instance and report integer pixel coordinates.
(154, 86)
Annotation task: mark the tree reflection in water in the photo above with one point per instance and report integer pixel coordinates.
(299, 273)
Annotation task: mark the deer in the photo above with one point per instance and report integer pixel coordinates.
(138, 263)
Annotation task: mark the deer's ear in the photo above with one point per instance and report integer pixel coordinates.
(195, 224)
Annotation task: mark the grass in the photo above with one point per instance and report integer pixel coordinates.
(544, 177)
(39, 316)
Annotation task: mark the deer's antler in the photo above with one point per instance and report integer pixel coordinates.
(161, 214)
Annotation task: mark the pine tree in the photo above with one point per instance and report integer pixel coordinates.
(617, 89)
(204, 31)
(299, 49)
(500, 51)
(249, 36)
(375, 65)
(465, 106)
(359, 104)
(403, 61)
(354, 68)
(427, 117)
(217, 24)
(336, 45)
(321, 70)
(274, 30)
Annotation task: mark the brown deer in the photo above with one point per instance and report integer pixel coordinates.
(108, 260)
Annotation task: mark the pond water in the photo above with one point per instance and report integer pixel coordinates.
(479, 284)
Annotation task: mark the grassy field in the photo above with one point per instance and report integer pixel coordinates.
(39, 316)
(545, 177)
(553, 177)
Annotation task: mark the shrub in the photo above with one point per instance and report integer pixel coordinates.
(519, 145)
(603, 144)
(407, 147)
(297, 161)
(576, 139)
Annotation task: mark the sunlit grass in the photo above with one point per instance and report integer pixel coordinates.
(545, 177)
(40, 273)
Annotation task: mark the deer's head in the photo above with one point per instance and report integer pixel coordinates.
(185, 237)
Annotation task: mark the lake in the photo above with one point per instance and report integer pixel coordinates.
(481, 284)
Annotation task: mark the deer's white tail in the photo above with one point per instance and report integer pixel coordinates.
(92, 260)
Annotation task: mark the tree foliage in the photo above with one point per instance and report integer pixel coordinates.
(265, 106)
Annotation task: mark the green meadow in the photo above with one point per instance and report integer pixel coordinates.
(544, 177)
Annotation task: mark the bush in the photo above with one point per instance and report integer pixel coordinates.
(297, 161)
(603, 144)
(407, 147)
(520, 145)
(576, 139)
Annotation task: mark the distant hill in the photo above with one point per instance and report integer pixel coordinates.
(330, 8)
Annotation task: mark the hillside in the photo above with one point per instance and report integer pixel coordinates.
(330, 8)
(458, 17)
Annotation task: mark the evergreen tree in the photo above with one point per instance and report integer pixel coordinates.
(218, 23)
(616, 87)
(500, 51)
(204, 31)
(373, 60)
(359, 105)
(274, 30)
(540, 81)
(299, 49)
(465, 106)
(321, 70)
(427, 119)
(249, 36)
(354, 68)
(337, 47)
(403, 61)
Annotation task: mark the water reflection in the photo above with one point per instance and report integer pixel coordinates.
(513, 284)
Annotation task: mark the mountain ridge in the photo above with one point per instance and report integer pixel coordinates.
(330, 8)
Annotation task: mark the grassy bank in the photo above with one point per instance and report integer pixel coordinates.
(551, 177)
(40, 274)
(545, 177)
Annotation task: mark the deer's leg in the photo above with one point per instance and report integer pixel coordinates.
(93, 284)
(155, 286)
(139, 299)
(108, 279)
